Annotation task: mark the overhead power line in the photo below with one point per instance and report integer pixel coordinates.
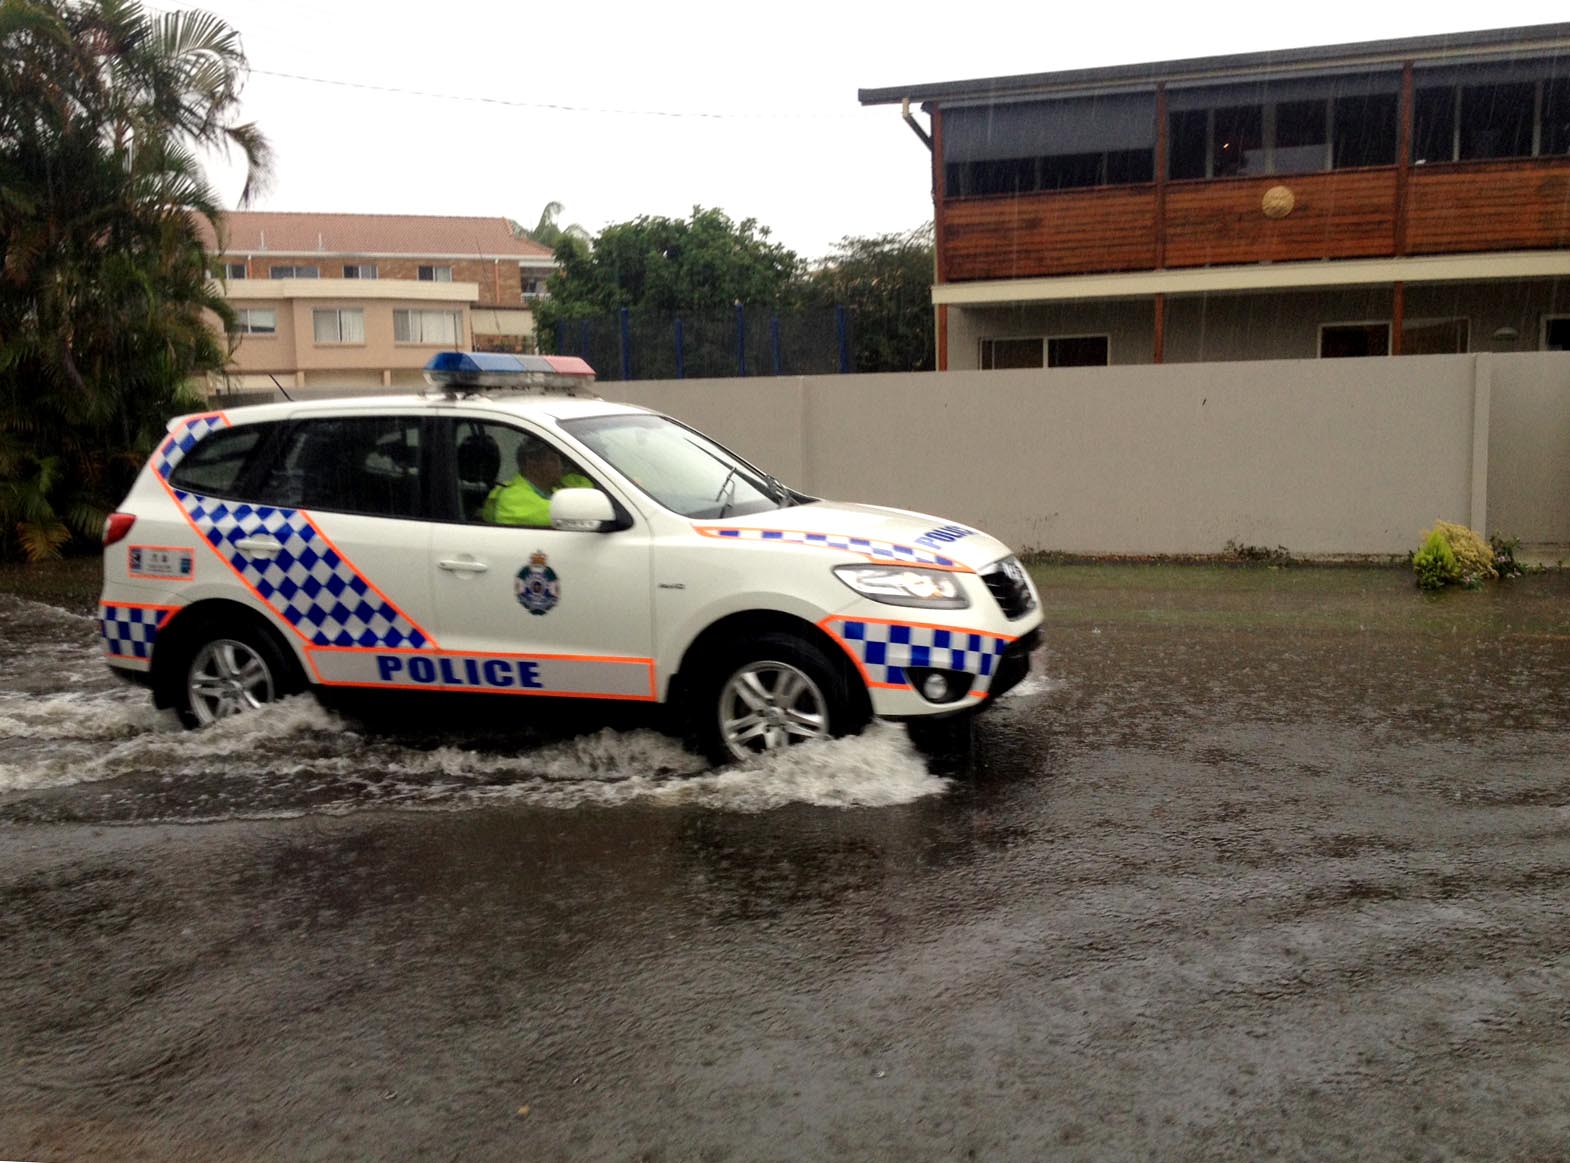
(545, 105)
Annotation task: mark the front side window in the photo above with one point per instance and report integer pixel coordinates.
(507, 476)
(360, 270)
(682, 470)
(1556, 333)
(440, 327)
(294, 272)
(349, 464)
(256, 321)
(234, 270)
(338, 325)
(430, 274)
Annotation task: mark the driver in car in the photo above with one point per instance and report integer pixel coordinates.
(526, 499)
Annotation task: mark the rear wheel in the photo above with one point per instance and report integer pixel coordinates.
(230, 672)
(773, 693)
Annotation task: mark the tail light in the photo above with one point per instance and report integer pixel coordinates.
(117, 526)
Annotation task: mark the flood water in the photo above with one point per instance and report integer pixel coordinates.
(1262, 863)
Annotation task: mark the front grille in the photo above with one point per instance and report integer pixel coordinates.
(1006, 580)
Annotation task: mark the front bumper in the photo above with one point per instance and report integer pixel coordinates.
(902, 700)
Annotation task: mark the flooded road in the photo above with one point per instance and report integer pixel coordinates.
(1268, 863)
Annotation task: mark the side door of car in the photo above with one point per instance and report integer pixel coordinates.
(528, 609)
(336, 541)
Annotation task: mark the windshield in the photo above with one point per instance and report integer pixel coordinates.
(681, 469)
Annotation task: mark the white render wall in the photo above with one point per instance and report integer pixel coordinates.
(1324, 457)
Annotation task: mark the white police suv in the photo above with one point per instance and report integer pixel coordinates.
(376, 543)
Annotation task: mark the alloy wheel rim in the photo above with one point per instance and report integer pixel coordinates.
(227, 678)
(768, 706)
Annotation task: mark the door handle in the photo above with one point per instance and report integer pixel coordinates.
(463, 565)
(260, 546)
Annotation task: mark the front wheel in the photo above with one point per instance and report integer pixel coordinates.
(774, 693)
(231, 672)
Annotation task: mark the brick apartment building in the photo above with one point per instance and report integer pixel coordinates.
(1392, 197)
(363, 300)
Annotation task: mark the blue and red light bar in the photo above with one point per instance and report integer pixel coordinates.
(475, 371)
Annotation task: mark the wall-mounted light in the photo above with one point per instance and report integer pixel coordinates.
(1506, 335)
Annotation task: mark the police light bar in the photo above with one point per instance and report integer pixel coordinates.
(464, 373)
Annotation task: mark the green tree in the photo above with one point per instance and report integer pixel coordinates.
(886, 282)
(105, 297)
(670, 264)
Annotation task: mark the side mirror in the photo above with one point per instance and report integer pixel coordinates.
(582, 511)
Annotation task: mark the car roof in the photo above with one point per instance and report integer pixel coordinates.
(525, 405)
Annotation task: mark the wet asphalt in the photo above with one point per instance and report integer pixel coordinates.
(1272, 864)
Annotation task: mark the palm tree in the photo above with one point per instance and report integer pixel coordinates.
(104, 297)
(548, 232)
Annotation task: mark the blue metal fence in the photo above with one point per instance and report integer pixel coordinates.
(746, 341)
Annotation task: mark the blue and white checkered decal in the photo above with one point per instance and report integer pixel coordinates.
(129, 631)
(172, 451)
(886, 649)
(875, 550)
(307, 582)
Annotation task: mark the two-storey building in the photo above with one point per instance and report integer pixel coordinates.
(1393, 197)
(364, 300)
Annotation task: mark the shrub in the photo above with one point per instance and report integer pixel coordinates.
(1505, 564)
(1435, 564)
(1465, 558)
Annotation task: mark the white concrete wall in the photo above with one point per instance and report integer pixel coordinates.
(1323, 457)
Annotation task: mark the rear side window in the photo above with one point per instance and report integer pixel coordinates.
(349, 464)
(216, 466)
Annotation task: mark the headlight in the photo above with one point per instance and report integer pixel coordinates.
(900, 586)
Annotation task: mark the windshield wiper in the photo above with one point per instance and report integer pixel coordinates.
(727, 491)
(778, 491)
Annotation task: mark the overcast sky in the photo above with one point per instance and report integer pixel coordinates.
(751, 108)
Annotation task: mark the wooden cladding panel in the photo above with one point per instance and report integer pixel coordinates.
(1061, 233)
(1343, 214)
(1521, 205)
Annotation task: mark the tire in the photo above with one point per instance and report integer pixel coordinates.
(231, 670)
(771, 693)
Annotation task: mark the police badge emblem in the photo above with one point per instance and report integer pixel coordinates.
(536, 587)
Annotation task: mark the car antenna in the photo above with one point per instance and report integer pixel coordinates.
(280, 387)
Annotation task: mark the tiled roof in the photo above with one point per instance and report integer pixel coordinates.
(415, 235)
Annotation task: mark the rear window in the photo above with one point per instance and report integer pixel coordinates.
(216, 466)
(360, 464)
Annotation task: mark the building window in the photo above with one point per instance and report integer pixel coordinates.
(1556, 333)
(256, 321)
(1363, 130)
(444, 327)
(1077, 351)
(1556, 117)
(1070, 143)
(1496, 120)
(234, 270)
(338, 325)
(1294, 125)
(1435, 337)
(294, 272)
(1238, 142)
(434, 274)
(1187, 136)
(359, 270)
(1349, 340)
(1302, 133)
(531, 286)
(998, 354)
